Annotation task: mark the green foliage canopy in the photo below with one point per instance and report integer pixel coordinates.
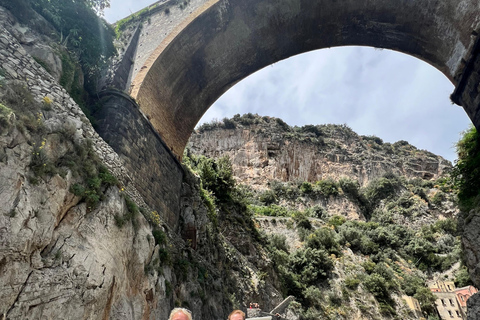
(466, 172)
(82, 32)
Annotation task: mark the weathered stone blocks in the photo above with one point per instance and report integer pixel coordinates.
(155, 172)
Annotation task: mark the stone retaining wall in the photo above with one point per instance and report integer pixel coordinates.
(20, 67)
(156, 173)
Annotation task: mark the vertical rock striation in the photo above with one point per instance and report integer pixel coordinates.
(263, 149)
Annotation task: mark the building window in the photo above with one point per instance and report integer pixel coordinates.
(462, 298)
(451, 302)
(443, 302)
(450, 313)
(449, 288)
(458, 313)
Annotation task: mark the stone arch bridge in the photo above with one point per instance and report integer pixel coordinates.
(187, 54)
(179, 56)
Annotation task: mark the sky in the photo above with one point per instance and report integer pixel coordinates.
(375, 92)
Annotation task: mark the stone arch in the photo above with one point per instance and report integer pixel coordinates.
(226, 40)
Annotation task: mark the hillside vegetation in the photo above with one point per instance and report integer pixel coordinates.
(338, 265)
(347, 234)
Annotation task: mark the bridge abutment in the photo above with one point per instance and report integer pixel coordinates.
(155, 171)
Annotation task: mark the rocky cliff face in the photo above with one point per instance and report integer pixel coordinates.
(75, 247)
(263, 149)
(100, 252)
(58, 257)
(275, 159)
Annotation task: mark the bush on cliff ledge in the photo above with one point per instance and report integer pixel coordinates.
(81, 31)
(466, 172)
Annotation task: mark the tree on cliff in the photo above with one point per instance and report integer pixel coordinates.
(466, 172)
(81, 31)
(98, 5)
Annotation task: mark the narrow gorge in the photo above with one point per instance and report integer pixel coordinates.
(100, 220)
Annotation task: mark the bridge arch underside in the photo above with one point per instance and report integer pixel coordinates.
(234, 38)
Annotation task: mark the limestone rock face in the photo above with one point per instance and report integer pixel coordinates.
(63, 259)
(82, 267)
(471, 245)
(58, 258)
(473, 307)
(262, 149)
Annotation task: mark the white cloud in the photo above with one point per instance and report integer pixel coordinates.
(376, 92)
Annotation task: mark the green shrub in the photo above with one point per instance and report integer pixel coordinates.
(438, 198)
(426, 299)
(306, 187)
(19, 99)
(159, 236)
(352, 282)
(131, 206)
(378, 286)
(40, 164)
(386, 308)
(314, 296)
(335, 299)
(168, 288)
(106, 176)
(77, 189)
(381, 189)
(302, 221)
(411, 283)
(373, 139)
(209, 201)
(82, 32)
(312, 129)
(228, 124)
(448, 225)
(351, 188)
(119, 221)
(272, 211)
(369, 266)
(6, 114)
(181, 268)
(462, 277)
(466, 172)
(284, 126)
(216, 175)
(164, 256)
(326, 188)
(268, 197)
(92, 198)
(324, 238)
(316, 211)
(313, 313)
(278, 242)
(309, 266)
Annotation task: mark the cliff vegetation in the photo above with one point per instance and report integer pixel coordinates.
(345, 248)
(347, 226)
